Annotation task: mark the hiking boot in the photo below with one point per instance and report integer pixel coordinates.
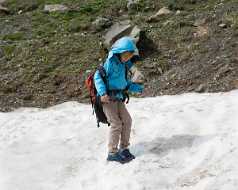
(126, 153)
(117, 157)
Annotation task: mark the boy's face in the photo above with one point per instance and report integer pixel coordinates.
(126, 56)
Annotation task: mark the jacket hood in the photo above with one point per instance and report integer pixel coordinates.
(122, 45)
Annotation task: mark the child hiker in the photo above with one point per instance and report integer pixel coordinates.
(113, 98)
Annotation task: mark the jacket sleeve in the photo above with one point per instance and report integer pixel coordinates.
(99, 83)
(133, 87)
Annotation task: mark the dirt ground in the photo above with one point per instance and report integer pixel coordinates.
(45, 57)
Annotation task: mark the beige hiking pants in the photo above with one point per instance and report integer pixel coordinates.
(120, 121)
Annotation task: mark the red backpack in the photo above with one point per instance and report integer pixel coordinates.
(95, 98)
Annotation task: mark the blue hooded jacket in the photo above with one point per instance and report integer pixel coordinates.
(116, 70)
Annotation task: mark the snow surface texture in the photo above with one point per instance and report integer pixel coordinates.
(185, 142)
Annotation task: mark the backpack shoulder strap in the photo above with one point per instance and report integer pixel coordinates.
(102, 72)
(103, 75)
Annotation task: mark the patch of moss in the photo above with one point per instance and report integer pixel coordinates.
(14, 37)
(8, 50)
(78, 24)
(93, 7)
(142, 6)
(26, 5)
(231, 18)
(163, 64)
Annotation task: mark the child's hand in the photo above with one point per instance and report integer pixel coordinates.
(105, 99)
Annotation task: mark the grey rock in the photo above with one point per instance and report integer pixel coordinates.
(132, 4)
(135, 33)
(117, 31)
(55, 8)
(223, 25)
(101, 23)
(178, 12)
(4, 9)
(2, 1)
(168, 22)
(201, 88)
(163, 11)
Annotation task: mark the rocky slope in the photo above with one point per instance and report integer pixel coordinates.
(46, 52)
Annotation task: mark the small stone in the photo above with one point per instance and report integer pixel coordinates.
(55, 8)
(161, 12)
(19, 12)
(101, 23)
(147, 8)
(4, 9)
(166, 23)
(132, 4)
(200, 88)
(223, 25)
(178, 12)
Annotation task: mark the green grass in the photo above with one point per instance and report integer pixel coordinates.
(8, 50)
(14, 37)
(54, 43)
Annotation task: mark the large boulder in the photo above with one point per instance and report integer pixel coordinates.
(116, 31)
(121, 29)
(135, 34)
(145, 45)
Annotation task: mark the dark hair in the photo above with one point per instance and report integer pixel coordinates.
(135, 58)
